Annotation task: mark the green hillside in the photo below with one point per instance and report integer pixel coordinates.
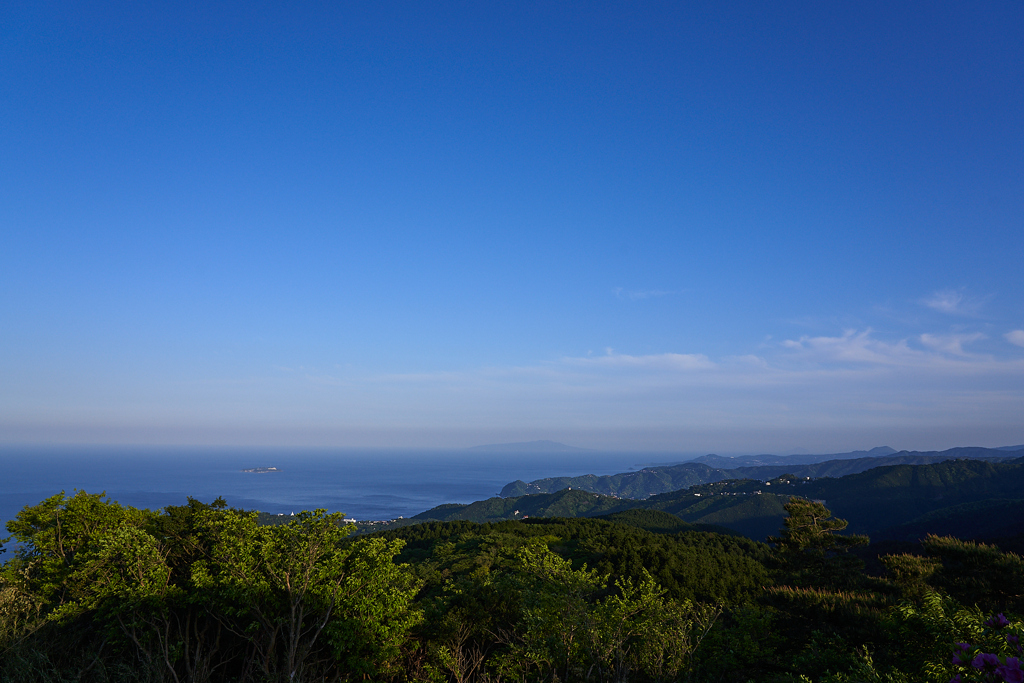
(889, 496)
(638, 484)
(561, 504)
(660, 522)
(655, 480)
(733, 505)
(943, 497)
(995, 519)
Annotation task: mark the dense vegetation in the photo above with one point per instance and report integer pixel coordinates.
(96, 591)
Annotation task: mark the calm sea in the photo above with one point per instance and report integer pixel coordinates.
(366, 484)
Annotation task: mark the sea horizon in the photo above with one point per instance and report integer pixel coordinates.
(362, 483)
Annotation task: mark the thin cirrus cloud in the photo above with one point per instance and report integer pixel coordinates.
(855, 381)
(951, 343)
(660, 361)
(639, 294)
(852, 347)
(935, 352)
(1015, 337)
(807, 360)
(953, 302)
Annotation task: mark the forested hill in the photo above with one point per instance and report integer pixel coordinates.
(731, 462)
(885, 497)
(654, 480)
(895, 501)
(739, 506)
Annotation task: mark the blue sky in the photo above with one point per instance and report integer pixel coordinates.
(653, 226)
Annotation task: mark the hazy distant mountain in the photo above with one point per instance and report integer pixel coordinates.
(970, 498)
(758, 460)
(529, 447)
(656, 480)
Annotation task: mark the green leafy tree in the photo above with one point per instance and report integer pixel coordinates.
(92, 565)
(60, 536)
(303, 597)
(811, 552)
(978, 573)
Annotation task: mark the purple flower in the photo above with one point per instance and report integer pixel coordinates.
(1014, 641)
(1010, 672)
(959, 656)
(998, 621)
(985, 659)
(956, 679)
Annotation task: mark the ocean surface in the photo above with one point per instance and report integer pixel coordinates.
(364, 484)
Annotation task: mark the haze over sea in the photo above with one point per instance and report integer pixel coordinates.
(364, 484)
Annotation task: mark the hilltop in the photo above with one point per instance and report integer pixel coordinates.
(729, 462)
(897, 501)
(655, 480)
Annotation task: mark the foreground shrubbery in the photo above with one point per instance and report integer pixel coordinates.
(102, 592)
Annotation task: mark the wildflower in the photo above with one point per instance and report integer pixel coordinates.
(956, 679)
(1010, 671)
(998, 621)
(984, 660)
(959, 656)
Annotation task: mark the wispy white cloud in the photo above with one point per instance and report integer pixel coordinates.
(861, 347)
(950, 343)
(637, 294)
(749, 360)
(659, 361)
(859, 383)
(853, 347)
(954, 302)
(855, 357)
(946, 301)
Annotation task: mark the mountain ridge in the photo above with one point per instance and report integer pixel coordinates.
(663, 479)
(891, 502)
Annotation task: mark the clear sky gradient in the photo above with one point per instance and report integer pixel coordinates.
(651, 226)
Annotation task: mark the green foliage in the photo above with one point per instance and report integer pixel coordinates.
(928, 627)
(811, 552)
(742, 646)
(978, 574)
(690, 565)
(911, 573)
(652, 520)
(201, 592)
(737, 505)
(521, 611)
(62, 538)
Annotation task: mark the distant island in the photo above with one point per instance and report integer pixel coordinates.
(530, 447)
(261, 470)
